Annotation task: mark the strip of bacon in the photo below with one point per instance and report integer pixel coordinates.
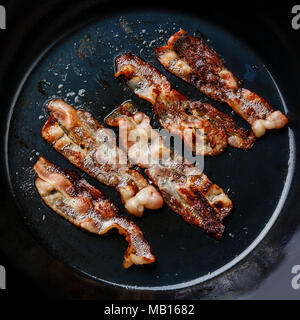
(183, 186)
(205, 132)
(91, 147)
(238, 137)
(84, 206)
(199, 135)
(190, 59)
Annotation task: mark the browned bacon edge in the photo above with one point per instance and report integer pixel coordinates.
(192, 60)
(84, 206)
(184, 187)
(88, 145)
(238, 137)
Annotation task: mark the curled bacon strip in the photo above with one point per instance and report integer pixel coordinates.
(84, 206)
(183, 186)
(192, 60)
(204, 129)
(91, 147)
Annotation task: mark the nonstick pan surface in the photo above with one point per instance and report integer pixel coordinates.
(79, 68)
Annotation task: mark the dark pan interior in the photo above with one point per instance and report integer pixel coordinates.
(79, 68)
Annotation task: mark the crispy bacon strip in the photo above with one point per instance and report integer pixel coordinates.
(184, 187)
(192, 60)
(199, 134)
(204, 129)
(91, 147)
(84, 206)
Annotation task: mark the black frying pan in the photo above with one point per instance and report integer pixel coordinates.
(76, 64)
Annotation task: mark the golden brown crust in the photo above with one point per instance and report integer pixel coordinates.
(205, 70)
(84, 206)
(237, 136)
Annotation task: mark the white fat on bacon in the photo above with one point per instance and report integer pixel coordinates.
(147, 197)
(275, 120)
(143, 144)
